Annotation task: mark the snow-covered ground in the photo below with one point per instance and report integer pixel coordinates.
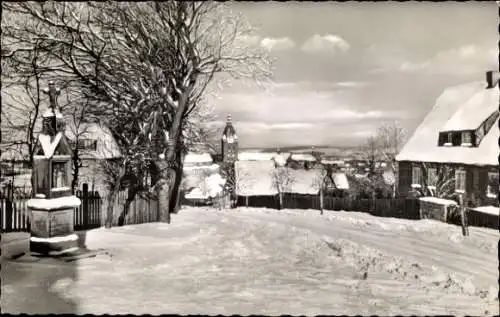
(259, 261)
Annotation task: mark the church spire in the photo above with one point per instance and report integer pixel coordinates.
(229, 142)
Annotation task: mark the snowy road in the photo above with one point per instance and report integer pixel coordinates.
(257, 261)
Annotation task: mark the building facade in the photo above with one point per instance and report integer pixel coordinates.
(454, 152)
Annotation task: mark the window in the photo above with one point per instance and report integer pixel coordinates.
(449, 139)
(466, 138)
(86, 144)
(460, 181)
(416, 176)
(431, 177)
(59, 176)
(492, 190)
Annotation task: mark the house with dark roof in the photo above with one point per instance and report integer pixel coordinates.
(460, 133)
(95, 143)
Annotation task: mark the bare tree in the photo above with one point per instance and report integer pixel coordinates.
(282, 181)
(391, 138)
(371, 150)
(79, 130)
(148, 64)
(319, 182)
(371, 153)
(21, 107)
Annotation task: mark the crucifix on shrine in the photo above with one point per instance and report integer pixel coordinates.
(52, 207)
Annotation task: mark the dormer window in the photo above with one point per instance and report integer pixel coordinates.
(448, 139)
(466, 139)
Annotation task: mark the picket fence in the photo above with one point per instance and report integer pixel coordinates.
(14, 216)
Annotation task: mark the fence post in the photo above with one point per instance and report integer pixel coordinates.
(463, 216)
(321, 200)
(99, 208)
(8, 214)
(85, 204)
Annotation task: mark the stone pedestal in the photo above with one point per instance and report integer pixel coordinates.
(52, 225)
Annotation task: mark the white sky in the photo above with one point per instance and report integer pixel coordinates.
(342, 68)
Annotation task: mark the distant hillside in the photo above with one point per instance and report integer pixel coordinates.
(327, 150)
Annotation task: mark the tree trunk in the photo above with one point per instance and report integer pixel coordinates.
(111, 198)
(132, 193)
(76, 172)
(463, 216)
(281, 200)
(173, 155)
(321, 201)
(109, 212)
(373, 196)
(166, 196)
(246, 201)
(395, 171)
(175, 201)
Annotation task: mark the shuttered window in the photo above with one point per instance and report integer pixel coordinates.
(460, 178)
(416, 175)
(492, 189)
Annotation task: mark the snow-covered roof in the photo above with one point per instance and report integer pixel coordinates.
(212, 167)
(254, 178)
(198, 158)
(423, 145)
(279, 160)
(203, 187)
(196, 193)
(303, 157)
(332, 162)
(304, 182)
(340, 180)
(473, 112)
(214, 184)
(439, 201)
(47, 204)
(491, 210)
(48, 144)
(256, 156)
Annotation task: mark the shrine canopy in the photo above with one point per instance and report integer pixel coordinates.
(52, 159)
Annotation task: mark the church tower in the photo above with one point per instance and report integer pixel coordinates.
(229, 143)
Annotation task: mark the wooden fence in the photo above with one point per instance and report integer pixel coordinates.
(16, 192)
(14, 215)
(141, 210)
(387, 207)
(88, 214)
(479, 219)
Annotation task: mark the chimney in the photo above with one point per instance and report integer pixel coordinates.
(492, 78)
